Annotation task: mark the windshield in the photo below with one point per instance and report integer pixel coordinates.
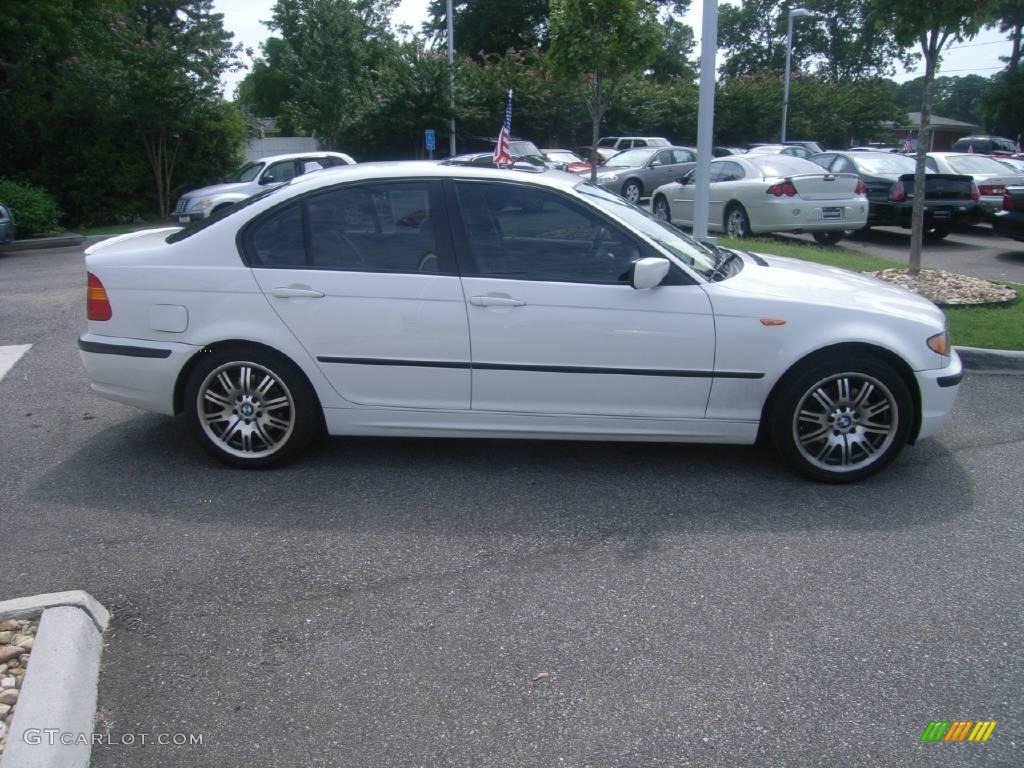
(695, 255)
(885, 163)
(631, 158)
(247, 172)
(523, 149)
(978, 164)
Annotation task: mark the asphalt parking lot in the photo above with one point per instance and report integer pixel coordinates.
(393, 602)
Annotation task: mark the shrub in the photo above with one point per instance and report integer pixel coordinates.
(33, 208)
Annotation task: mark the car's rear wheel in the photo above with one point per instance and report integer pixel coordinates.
(841, 419)
(830, 237)
(661, 208)
(737, 223)
(250, 407)
(632, 190)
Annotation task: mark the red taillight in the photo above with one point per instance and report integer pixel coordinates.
(897, 193)
(975, 194)
(992, 189)
(1008, 203)
(97, 305)
(782, 188)
(860, 189)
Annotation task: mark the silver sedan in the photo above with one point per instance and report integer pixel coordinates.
(991, 176)
(635, 172)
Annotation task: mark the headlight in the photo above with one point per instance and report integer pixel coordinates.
(609, 177)
(201, 204)
(939, 343)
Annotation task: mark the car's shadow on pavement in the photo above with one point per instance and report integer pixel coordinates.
(1014, 257)
(149, 466)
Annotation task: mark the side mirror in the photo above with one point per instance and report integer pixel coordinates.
(649, 272)
(268, 179)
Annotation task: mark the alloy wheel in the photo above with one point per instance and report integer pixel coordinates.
(845, 422)
(246, 409)
(661, 209)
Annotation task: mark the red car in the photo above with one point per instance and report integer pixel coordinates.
(573, 162)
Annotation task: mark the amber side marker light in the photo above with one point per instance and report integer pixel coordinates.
(97, 305)
(772, 321)
(939, 343)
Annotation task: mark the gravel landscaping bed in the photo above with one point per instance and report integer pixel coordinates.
(16, 638)
(948, 288)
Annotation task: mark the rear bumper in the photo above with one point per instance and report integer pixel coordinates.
(938, 389)
(136, 372)
(938, 213)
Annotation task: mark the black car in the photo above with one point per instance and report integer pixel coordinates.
(1009, 222)
(888, 180)
(6, 225)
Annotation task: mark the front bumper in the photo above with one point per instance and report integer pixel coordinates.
(136, 372)
(1009, 224)
(190, 216)
(939, 388)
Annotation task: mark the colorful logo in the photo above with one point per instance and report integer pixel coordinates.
(958, 730)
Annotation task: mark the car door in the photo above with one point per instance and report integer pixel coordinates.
(682, 196)
(661, 169)
(556, 327)
(276, 174)
(364, 276)
(723, 188)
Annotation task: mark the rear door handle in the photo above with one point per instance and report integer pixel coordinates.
(295, 292)
(495, 301)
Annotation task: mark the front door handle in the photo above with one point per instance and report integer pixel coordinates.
(296, 292)
(495, 301)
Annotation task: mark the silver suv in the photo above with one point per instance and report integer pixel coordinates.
(619, 143)
(251, 178)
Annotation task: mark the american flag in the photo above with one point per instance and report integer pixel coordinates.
(970, 149)
(908, 144)
(1018, 145)
(502, 153)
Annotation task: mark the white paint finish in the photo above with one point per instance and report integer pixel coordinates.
(10, 355)
(171, 318)
(608, 326)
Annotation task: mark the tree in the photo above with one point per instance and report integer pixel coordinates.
(490, 26)
(845, 45)
(931, 26)
(1010, 14)
(597, 44)
(754, 37)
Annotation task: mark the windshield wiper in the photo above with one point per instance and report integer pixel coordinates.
(726, 260)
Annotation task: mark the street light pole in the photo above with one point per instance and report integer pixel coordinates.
(451, 80)
(798, 12)
(705, 119)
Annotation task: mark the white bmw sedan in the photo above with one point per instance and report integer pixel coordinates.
(756, 193)
(418, 299)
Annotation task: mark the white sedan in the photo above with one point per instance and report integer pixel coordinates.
(758, 193)
(446, 301)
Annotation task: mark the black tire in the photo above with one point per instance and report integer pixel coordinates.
(632, 190)
(854, 431)
(736, 222)
(829, 237)
(660, 209)
(219, 420)
(936, 233)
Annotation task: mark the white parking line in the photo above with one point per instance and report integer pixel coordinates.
(10, 355)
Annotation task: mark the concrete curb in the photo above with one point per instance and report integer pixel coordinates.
(991, 360)
(58, 695)
(62, 241)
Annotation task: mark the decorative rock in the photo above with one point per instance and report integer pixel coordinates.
(9, 624)
(9, 696)
(8, 682)
(25, 642)
(5, 637)
(947, 288)
(4, 709)
(8, 652)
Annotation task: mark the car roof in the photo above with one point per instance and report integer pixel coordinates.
(425, 169)
(297, 156)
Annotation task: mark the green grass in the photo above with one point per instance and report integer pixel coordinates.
(998, 327)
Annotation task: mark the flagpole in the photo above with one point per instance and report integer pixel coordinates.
(451, 81)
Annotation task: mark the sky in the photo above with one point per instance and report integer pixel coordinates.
(243, 18)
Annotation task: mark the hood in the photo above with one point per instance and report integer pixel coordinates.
(219, 189)
(805, 282)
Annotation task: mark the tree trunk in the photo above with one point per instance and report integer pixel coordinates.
(931, 44)
(595, 134)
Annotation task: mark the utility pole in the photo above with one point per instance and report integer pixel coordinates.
(705, 119)
(799, 13)
(451, 80)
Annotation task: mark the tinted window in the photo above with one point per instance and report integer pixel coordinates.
(682, 156)
(276, 239)
(279, 172)
(373, 228)
(842, 165)
(607, 142)
(663, 158)
(729, 171)
(523, 233)
(639, 143)
(246, 173)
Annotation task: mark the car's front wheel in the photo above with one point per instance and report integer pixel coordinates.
(661, 209)
(250, 407)
(737, 223)
(632, 191)
(841, 419)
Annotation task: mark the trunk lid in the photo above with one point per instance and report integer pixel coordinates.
(825, 186)
(939, 186)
